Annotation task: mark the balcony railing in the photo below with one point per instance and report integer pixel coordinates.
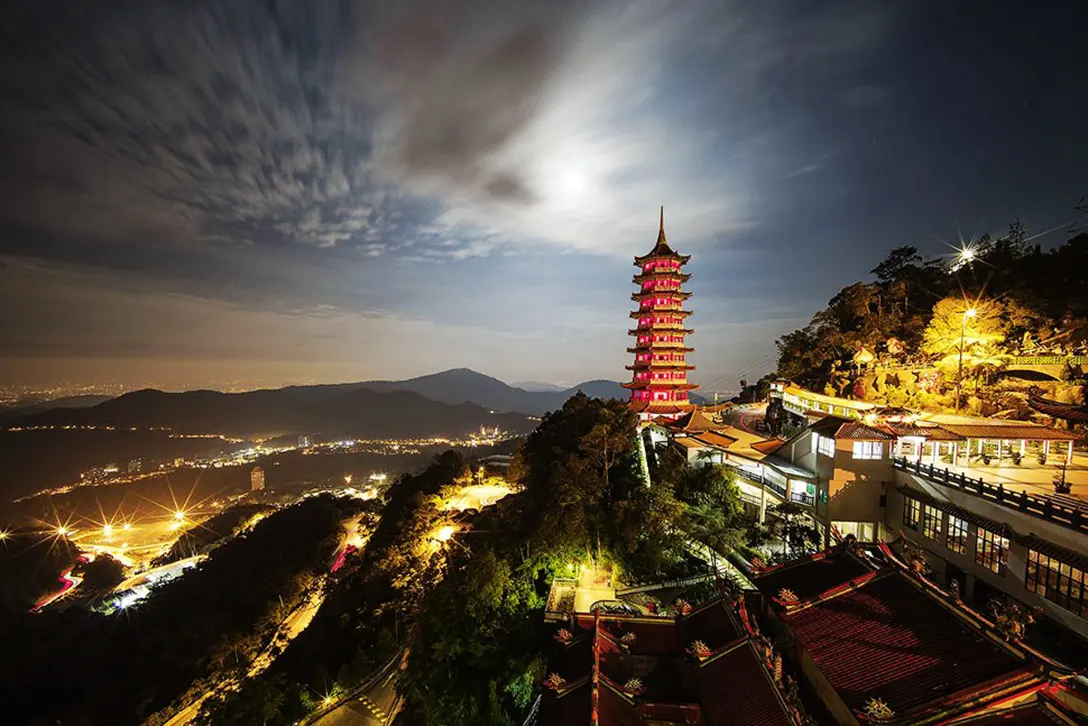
(803, 498)
(757, 478)
(1043, 507)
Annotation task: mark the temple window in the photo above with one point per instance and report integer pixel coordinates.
(912, 512)
(1059, 582)
(991, 550)
(957, 535)
(931, 522)
(824, 445)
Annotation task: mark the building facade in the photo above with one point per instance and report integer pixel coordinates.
(256, 479)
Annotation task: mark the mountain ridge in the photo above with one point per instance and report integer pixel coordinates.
(449, 403)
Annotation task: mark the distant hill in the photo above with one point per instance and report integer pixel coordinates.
(463, 384)
(452, 402)
(332, 410)
(13, 412)
(536, 386)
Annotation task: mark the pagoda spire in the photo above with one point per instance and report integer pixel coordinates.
(661, 229)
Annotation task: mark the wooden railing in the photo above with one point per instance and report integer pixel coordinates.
(1058, 511)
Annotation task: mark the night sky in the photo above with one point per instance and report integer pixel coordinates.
(285, 191)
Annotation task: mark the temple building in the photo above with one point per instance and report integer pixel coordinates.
(876, 641)
(659, 382)
(707, 665)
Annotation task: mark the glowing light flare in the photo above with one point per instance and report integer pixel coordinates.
(444, 533)
(107, 531)
(127, 527)
(970, 312)
(179, 515)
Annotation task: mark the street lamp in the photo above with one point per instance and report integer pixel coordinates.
(968, 313)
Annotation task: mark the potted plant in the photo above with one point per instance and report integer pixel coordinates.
(1015, 456)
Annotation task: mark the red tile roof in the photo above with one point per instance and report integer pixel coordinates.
(751, 700)
(569, 708)
(614, 709)
(768, 446)
(889, 640)
(810, 576)
(715, 439)
(712, 622)
(1035, 714)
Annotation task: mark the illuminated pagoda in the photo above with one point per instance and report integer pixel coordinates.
(659, 383)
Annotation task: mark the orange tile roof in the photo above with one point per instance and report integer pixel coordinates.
(715, 439)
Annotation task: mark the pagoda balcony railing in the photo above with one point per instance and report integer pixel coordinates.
(1042, 506)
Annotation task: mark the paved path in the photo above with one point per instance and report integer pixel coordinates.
(375, 704)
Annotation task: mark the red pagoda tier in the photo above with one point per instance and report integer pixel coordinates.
(659, 382)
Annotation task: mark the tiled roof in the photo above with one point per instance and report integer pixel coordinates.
(689, 442)
(652, 637)
(574, 660)
(932, 433)
(712, 622)
(813, 575)
(829, 425)
(768, 446)
(1035, 714)
(1017, 430)
(889, 640)
(751, 699)
(568, 708)
(715, 439)
(857, 431)
(614, 709)
(694, 422)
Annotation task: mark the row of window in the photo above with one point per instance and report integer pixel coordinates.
(650, 302)
(873, 450)
(643, 357)
(659, 321)
(652, 285)
(1058, 582)
(659, 396)
(670, 376)
(660, 265)
(660, 339)
(991, 548)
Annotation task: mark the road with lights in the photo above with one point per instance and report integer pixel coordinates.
(374, 704)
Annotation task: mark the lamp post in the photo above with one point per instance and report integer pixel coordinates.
(968, 313)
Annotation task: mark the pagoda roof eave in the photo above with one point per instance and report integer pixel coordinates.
(660, 328)
(680, 278)
(665, 253)
(640, 313)
(671, 348)
(681, 294)
(671, 385)
(672, 365)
